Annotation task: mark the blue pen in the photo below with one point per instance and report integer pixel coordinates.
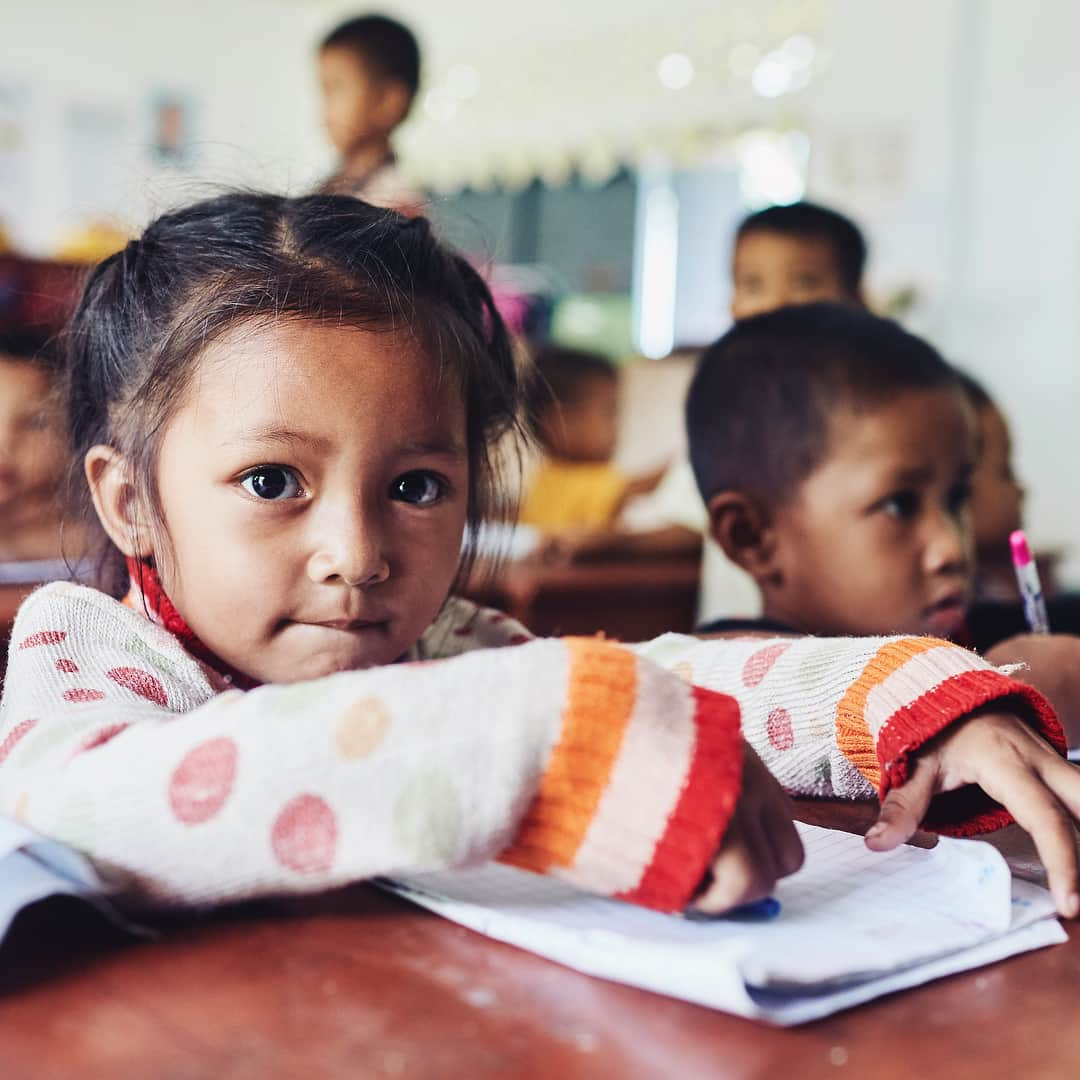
(766, 908)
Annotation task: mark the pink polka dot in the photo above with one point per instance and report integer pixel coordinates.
(203, 781)
(519, 639)
(43, 637)
(63, 664)
(497, 617)
(13, 736)
(304, 836)
(101, 736)
(83, 693)
(757, 667)
(779, 728)
(139, 682)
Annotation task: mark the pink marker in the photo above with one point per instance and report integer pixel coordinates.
(1027, 577)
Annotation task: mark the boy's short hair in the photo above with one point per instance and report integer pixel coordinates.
(757, 413)
(809, 220)
(559, 375)
(386, 47)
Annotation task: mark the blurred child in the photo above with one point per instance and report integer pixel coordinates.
(835, 452)
(285, 411)
(782, 255)
(32, 452)
(575, 411)
(796, 254)
(997, 499)
(369, 69)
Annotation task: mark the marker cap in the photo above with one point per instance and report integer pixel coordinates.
(1021, 553)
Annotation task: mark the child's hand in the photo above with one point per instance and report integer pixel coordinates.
(1013, 765)
(1053, 667)
(759, 847)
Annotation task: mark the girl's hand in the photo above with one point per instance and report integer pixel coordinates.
(1013, 765)
(759, 847)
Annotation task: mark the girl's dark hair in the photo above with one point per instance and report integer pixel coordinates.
(147, 313)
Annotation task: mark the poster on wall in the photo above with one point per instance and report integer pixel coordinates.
(172, 120)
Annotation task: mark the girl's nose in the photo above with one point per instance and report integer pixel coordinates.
(349, 546)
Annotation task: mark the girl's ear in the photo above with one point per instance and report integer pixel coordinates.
(115, 500)
(742, 528)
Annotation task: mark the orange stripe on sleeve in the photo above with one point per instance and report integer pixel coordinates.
(853, 735)
(600, 699)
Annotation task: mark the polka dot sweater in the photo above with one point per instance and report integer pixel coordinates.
(615, 768)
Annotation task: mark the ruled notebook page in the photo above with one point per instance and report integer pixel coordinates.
(850, 917)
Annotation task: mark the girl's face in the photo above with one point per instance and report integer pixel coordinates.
(313, 489)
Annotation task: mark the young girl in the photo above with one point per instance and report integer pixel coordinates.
(283, 409)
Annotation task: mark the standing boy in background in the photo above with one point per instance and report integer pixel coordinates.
(369, 70)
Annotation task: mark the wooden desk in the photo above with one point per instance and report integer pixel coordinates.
(360, 984)
(631, 600)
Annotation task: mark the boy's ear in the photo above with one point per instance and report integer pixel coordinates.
(115, 500)
(743, 529)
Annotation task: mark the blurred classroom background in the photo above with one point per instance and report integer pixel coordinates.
(600, 154)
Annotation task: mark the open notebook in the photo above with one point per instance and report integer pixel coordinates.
(853, 925)
(33, 867)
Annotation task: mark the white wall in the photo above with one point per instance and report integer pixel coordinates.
(948, 128)
(246, 64)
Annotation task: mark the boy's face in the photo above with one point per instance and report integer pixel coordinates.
(31, 447)
(584, 430)
(772, 270)
(357, 107)
(877, 540)
(996, 498)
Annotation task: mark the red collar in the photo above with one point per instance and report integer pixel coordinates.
(147, 595)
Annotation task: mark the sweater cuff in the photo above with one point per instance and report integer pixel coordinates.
(967, 811)
(640, 786)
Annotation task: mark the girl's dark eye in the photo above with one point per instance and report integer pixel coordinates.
(902, 505)
(418, 488)
(272, 483)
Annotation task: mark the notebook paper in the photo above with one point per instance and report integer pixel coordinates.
(854, 925)
(33, 867)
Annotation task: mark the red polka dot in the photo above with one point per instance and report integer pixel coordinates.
(13, 736)
(203, 781)
(779, 728)
(757, 667)
(497, 617)
(101, 736)
(464, 631)
(43, 637)
(63, 664)
(519, 639)
(304, 836)
(83, 694)
(139, 682)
